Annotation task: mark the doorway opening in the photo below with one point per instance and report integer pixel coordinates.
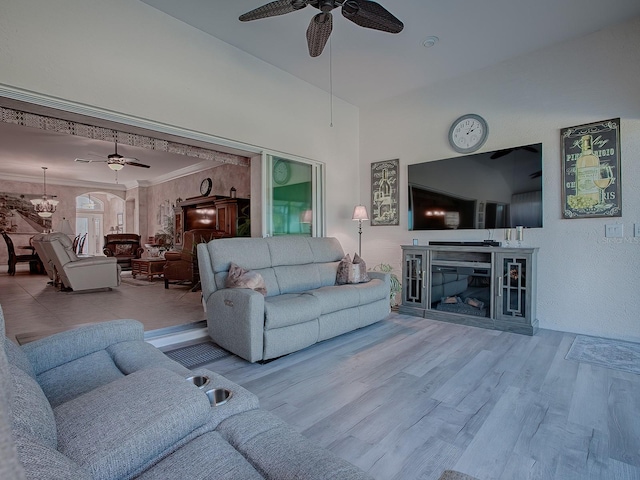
(98, 213)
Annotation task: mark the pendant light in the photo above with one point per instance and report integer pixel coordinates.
(44, 206)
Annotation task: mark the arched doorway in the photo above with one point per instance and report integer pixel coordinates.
(98, 213)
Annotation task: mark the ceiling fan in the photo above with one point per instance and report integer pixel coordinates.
(115, 161)
(507, 151)
(365, 13)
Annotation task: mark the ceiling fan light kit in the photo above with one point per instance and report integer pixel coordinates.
(364, 13)
(115, 161)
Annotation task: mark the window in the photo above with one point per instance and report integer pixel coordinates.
(293, 196)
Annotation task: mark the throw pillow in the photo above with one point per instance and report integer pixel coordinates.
(124, 249)
(238, 277)
(352, 272)
(474, 302)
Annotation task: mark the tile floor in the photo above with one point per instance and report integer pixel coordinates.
(30, 305)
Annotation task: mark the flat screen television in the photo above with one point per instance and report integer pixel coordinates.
(499, 189)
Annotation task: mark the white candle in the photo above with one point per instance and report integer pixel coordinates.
(519, 233)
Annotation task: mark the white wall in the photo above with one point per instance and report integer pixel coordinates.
(587, 283)
(125, 56)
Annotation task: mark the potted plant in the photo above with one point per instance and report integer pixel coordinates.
(396, 286)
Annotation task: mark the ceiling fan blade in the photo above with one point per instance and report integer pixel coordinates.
(370, 14)
(318, 32)
(136, 164)
(279, 7)
(84, 160)
(501, 153)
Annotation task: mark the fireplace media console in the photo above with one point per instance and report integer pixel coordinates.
(483, 286)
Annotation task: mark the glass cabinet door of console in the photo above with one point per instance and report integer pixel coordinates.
(414, 270)
(513, 287)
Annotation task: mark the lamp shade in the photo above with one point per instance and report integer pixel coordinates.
(360, 213)
(65, 227)
(306, 216)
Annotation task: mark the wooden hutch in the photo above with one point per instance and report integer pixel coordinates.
(231, 215)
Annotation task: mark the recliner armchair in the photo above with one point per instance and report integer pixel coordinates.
(87, 273)
(124, 247)
(182, 266)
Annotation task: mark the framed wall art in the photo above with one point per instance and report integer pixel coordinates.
(384, 192)
(18, 216)
(177, 227)
(591, 176)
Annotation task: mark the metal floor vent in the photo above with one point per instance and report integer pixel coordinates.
(195, 355)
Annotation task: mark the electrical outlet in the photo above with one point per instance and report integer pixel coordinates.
(615, 230)
(636, 232)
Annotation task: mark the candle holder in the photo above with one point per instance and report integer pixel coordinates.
(519, 235)
(507, 237)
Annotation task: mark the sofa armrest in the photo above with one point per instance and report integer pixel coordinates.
(63, 347)
(235, 320)
(385, 277)
(90, 261)
(118, 428)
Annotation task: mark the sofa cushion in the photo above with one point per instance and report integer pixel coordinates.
(17, 357)
(290, 309)
(135, 355)
(289, 250)
(32, 417)
(373, 290)
(72, 379)
(250, 253)
(277, 451)
(49, 352)
(208, 456)
(325, 249)
(42, 462)
(336, 297)
(115, 429)
(297, 278)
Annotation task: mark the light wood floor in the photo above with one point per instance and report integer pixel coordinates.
(407, 398)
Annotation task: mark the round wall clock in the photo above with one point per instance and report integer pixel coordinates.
(281, 172)
(468, 133)
(205, 187)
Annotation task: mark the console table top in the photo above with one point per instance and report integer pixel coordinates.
(474, 248)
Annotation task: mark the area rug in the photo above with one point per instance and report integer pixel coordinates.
(607, 353)
(193, 356)
(141, 281)
(453, 475)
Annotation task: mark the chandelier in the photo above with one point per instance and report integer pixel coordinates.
(44, 207)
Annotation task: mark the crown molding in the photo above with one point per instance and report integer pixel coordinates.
(46, 101)
(63, 182)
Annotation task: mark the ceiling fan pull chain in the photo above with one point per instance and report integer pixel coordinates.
(331, 83)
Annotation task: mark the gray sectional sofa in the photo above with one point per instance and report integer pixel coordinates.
(303, 305)
(100, 403)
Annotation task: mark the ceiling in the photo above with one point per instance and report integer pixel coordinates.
(370, 65)
(367, 65)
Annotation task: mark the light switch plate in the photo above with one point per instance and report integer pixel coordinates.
(615, 230)
(636, 232)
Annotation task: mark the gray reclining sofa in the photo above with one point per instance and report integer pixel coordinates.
(100, 403)
(303, 305)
